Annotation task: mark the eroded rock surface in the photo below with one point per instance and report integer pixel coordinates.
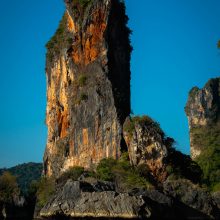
(146, 145)
(192, 196)
(78, 199)
(88, 85)
(176, 200)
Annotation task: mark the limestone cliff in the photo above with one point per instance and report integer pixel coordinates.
(203, 112)
(88, 85)
(147, 145)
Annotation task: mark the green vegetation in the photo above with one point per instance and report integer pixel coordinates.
(25, 174)
(144, 120)
(82, 80)
(8, 188)
(59, 40)
(207, 138)
(121, 172)
(181, 166)
(72, 173)
(46, 188)
(193, 91)
(209, 161)
(105, 168)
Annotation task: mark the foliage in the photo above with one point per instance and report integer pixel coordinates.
(33, 188)
(218, 44)
(25, 174)
(59, 40)
(125, 176)
(182, 166)
(209, 161)
(46, 188)
(104, 169)
(82, 80)
(129, 125)
(216, 187)
(72, 173)
(193, 91)
(207, 138)
(8, 188)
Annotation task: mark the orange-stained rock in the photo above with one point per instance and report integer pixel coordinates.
(85, 137)
(88, 86)
(64, 125)
(70, 24)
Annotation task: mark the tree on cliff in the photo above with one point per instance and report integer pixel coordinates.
(8, 188)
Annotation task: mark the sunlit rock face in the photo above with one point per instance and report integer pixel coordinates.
(88, 85)
(147, 145)
(203, 112)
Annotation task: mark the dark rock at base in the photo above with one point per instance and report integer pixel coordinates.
(191, 199)
(180, 200)
(74, 200)
(216, 198)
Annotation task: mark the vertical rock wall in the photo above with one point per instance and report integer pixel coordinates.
(203, 112)
(88, 85)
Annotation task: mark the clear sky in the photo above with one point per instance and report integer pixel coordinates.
(174, 49)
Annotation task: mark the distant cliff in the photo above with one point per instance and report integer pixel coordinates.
(88, 85)
(203, 112)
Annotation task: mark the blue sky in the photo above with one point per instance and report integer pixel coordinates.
(174, 49)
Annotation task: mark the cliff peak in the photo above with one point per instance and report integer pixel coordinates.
(88, 85)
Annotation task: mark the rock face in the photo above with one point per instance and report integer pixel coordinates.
(203, 112)
(178, 200)
(78, 199)
(88, 85)
(192, 196)
(146, 145)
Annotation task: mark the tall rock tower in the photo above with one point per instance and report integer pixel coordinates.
(203, 112)
(88, 85)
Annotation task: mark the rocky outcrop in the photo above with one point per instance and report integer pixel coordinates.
(80, 199)
(192, 196)
(146, 145)
(203, 112)
(88, 85)
(216, 198)
(178, 200)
